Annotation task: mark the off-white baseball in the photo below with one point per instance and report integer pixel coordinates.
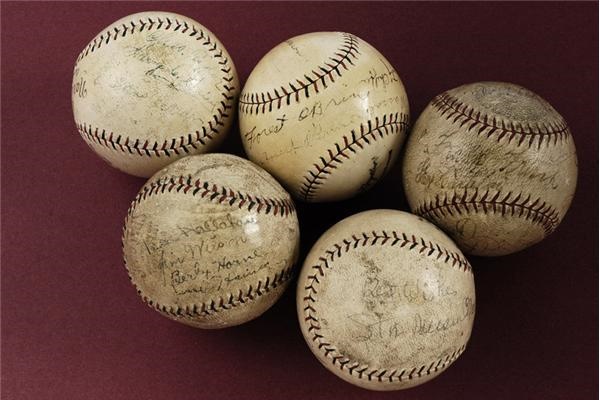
(151, 88)
(325, 113)
(386, 300)
(210, 241)
(492, 164)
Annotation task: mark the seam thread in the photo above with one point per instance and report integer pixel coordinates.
(169, 147)
(393, 238)
(215, 194)
(371, 130)
(263, 102)
(223, 303)
(458, 112)
(177, 145)
(537, 211)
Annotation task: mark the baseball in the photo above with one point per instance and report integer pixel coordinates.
(386, 300)
(493, 165)
(151, 88)
(210, 241)
(325, 113)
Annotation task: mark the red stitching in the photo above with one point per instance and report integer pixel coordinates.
(168, 148)
(382, 238)
(214, 193)
(536, 211)
(226, 302)
(121, 31)
(263, 102)
(453, 109)
(371, 130)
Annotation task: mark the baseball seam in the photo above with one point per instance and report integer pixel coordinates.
(177, 145)
(263, 102)
(393, 238)
(223, 303)
(371, 130)
(458, 112)
(186, 185)
(214, 193)
(537, 211)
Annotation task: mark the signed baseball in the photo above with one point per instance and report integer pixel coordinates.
(493, 165)
(325, 113)
(386, 300)
(151, 88)
(210, 241)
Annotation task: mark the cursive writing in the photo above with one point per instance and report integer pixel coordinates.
(381, 79)
(217, 223)
(79, 88)
(255, 135)
(227, 263)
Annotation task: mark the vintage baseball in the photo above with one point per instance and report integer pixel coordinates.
(211, 240)
(386, 300)
(151, 88)
(325, 113)
(493, 165)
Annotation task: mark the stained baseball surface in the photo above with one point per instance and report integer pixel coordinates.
(325, 113)
(210, 241)
(493, 165)
(151, 88)
(386, 300)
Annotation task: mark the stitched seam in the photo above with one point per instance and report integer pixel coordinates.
(537, 211)
(223, 303)
(371, 130)
(393, 238)
(170, 147)
(178, 145)
(263, 102)
(214, 193)
(228, 302)
(221, 195)
(458, 112)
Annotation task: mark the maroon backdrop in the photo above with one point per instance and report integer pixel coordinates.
(73, 326)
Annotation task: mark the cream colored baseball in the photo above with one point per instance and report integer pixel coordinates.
(325, 113)
(492, 164)
(151, 88)
(386, 300)
(210, 241)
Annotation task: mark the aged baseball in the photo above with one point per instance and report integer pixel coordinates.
(386, 300)
(325, 113)
(151, 88)
(210, 241)
(493, 165)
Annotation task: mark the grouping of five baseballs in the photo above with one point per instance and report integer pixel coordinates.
(385, 298)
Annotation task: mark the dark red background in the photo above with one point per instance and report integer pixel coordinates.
(73, 326)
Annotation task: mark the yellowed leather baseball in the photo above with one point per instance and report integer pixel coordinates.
(325, 113)
(386, 300)
(210, 241)
(492, 164)
(151, 88)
